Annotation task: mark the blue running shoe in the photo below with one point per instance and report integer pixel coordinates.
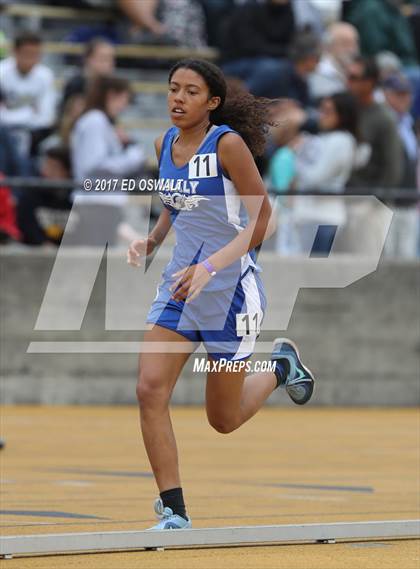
(299, 382)
(168, 520)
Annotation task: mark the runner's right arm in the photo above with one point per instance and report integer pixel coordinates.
(163, 224)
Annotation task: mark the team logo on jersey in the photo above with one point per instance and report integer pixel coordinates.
(181, 201)
(179, 194)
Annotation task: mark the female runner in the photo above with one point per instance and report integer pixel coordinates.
(211, 290)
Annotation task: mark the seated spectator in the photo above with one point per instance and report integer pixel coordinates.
(256, 36)
(71, 111)
(55, 165)
(402, 238)
(10, 160)
(28, 94)
(167, 21)
(341, 45)
(324, 162)
(290, 81)
(100, 149)
(378, 129)
(99, 59)
(382, 27)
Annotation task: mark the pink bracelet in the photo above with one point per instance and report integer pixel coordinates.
(209, 267)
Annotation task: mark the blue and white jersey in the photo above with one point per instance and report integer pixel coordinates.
(206, 210)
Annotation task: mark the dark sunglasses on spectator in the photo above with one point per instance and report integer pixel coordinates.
(353, 77)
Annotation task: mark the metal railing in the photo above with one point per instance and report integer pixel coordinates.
(385, 194)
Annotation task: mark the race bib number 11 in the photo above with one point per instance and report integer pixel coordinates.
(203, 166)
(248, 324)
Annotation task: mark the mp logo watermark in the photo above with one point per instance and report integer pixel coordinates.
(129, 292)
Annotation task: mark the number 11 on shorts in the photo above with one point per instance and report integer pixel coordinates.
(249, 323)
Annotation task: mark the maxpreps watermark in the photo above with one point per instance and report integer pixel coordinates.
(203, 365)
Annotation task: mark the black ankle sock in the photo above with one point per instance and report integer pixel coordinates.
(281, 371)
(174, 499)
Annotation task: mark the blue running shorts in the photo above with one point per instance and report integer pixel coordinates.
(227, 322)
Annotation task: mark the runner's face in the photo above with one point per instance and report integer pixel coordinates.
(189, 100)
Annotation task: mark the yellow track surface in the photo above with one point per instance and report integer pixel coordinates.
(285, 466)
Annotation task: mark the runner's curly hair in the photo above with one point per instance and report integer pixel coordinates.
(240, 110)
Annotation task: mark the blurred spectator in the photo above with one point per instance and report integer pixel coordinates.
(168, 21)
(8, 227)
(10, 161)
(71, 111)
(412, 11)
(290, 81)
(143, 15)
(100, 150)
(382, 166)
(388, 63)
(378, 129)
(324, 163)
(329, 11)
(307, 17)
(99, 59)
(382, 27)
(55, 166)
(416, 110)
(282, 167)
(341, 45)
(398, 95)
(28, 93)
(256, 36)
(3, 44)
(281, 178)
(98, 147)
(216, 12)
(402, 238)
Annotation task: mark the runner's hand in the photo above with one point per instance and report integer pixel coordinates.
(190, 282)
(139, 249)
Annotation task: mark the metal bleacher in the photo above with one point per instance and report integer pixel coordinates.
(145, 65)
(38, 13)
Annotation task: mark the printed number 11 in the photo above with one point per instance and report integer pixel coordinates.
(197, 162)
(246, 319)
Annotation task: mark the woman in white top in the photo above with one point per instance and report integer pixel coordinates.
(324, 163)
(100, 150)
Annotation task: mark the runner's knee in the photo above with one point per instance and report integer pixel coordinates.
(223, 423)
(151, 390)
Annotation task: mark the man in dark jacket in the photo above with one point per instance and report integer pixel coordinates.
(290, 78)
(378, 129)
(256, 37)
